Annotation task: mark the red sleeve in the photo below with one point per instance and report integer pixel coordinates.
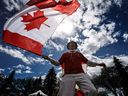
(84, 59)
(62, 59)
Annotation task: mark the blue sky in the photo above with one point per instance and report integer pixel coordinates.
(98, 26)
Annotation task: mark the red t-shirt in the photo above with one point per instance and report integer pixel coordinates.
(71, 62)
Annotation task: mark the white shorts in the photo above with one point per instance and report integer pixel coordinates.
(69, 81)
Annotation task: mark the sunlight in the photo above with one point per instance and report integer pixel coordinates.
(67, 27)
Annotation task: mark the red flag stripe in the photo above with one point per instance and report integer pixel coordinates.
(69, 8)
(33, 2)
(46, 4)
(64, 2)
(22, 42)
(62, 6)
(42, 4)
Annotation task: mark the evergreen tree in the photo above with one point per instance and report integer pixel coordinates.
(11, 76)
(123, 75)
(50, 82)
(7, 85)
(29, 83)
(37, 84)
(113, 79)
(108, 80)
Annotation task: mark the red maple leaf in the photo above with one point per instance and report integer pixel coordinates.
(34, 21)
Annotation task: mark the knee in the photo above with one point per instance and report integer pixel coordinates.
(93, 92)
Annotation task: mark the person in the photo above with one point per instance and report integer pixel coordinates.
(71, 61)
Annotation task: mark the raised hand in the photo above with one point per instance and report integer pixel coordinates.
(45, 57)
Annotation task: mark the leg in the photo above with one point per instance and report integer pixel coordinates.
(86, 85)
(67, 86)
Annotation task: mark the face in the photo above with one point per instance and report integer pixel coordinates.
(72, 46)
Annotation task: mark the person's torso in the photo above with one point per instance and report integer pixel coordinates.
(72, 64)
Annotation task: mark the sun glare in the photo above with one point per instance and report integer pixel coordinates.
(67, 27)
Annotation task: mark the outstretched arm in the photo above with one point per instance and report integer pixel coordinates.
(53, 61)
(94, 64)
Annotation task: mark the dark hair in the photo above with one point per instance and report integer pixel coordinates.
(70, 43)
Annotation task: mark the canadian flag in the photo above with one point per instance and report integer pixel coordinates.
(79, 93)
(33, 26)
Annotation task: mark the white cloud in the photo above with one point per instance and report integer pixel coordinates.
(35, 59)
(124, 59)
(20, 66)
(12, 4)
(19, 71)
(24, 1)
(58, 47)
(22, 69)
(1, 70)
(108, 60)
(20, 55)
(27, 71)
(103, 3)
(97, 39)
(14, 53)
(116, 34)
(92, 71)
(125, 36)
(118, 2)
(65, 29)
(42, 77)
(93, 39)
(28, 68)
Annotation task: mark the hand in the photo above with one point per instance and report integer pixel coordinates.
(103, 65)
(45, 56)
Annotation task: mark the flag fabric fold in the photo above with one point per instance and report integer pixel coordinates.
(33, 26)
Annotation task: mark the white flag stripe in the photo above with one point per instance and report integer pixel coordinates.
(33, 26)
(44, 33)
(16, 16)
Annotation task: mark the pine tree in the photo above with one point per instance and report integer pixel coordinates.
(50, 82)
(114, 79)
(40, 83)
(108, 80)
(8, 84)
(37, 84)
(11, 77)
(29, 85)
(122, 75)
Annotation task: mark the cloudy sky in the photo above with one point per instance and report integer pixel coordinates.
(98, 26)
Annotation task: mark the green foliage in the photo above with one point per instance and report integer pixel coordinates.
(123, 75)
(113, 79)
(8, 84)
(50, 82)
(37, 84)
